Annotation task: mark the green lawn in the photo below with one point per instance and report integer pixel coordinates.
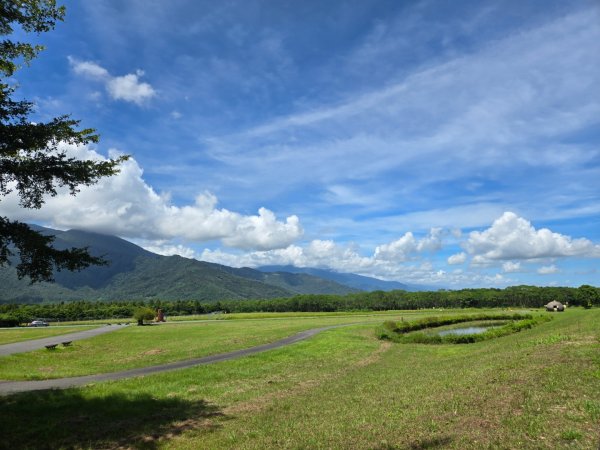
(536, 389)
(262, 315)
(10, 335)
(135, 346)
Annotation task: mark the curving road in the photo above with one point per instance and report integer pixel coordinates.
(36, 344)
(11, 387)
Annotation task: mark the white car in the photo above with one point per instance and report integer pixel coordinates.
(38, 323)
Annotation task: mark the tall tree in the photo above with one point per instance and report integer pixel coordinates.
(31, 161)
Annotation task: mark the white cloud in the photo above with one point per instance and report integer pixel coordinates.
(328, 254)
(89, 69)
(166, 249)
(125, 205)
(548, 270)
(511, 267)
(264, 232)
(516, 104)
(398, 250)
(512, 237)
(401, 249)
(458, 258)
(127, 87)
(317, 253)
(383, 263)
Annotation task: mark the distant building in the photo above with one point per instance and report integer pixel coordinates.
(555, 306)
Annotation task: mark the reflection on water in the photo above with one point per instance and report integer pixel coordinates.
(467, 330)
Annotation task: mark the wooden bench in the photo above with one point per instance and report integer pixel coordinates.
(66, 343)
(51, 346)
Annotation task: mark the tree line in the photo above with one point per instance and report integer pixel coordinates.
(516, 296)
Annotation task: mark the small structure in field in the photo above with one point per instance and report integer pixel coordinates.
(555, 306)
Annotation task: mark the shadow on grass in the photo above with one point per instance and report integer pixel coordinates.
(432, 443)
(437, 442)
(69, 419)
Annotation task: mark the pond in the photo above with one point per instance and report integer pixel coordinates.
(465, 330)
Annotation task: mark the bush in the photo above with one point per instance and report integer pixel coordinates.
(142, 313)
(9, 322)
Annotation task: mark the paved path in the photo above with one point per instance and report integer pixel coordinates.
(36, 344)
(11, 387)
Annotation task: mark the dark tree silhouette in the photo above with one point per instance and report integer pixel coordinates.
(31, 162)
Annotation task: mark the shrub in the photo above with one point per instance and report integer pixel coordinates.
(7, 321)
(142, 313)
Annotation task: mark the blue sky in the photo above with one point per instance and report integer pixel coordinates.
(451, 144)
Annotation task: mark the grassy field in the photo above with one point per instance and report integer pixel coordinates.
(158, 344)
(10, 335)
(539, 388)
(261, 315)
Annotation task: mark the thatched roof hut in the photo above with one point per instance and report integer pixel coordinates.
(555, 306)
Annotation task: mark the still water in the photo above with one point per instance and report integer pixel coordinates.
(467, 330)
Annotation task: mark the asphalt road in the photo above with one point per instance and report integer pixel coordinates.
(11, 387)
(35, 344)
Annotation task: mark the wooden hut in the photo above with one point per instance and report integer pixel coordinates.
(555, 306)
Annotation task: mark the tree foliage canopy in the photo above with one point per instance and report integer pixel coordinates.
(31, 161)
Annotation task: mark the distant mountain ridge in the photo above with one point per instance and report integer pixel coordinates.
(137, 274)
(353, 280)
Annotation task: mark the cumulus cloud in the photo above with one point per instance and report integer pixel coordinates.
(513, 238)
(263, 231)
(347, 258)
(167, 249)
(89, 69)
(548, 270)
(402, 249)
(317, 253)
(384, 262)
(125, 205)
(127, 87)
(511, 267)
(458, 258)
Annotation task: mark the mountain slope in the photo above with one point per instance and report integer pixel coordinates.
(298, 283)
(359, 282)
(135, 273)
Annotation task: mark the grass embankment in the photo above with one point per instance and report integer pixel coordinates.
(408, 332)
(343, 388)
(134, 346)
(11, 335)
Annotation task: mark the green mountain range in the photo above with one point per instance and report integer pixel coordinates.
(137, 274)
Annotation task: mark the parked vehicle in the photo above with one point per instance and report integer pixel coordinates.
(38, 323)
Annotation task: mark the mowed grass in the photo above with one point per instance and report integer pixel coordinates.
(267, 315)
(11, 335)
(134, 346)
(535, 389)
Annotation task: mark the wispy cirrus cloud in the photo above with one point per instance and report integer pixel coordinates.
(502, 109)
(414, 116)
